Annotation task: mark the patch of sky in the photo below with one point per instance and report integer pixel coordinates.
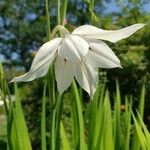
(1, 22)
(113, 6)
(14, 56)
(30, 16)
(7, 36)
(72, 18)
(147, 7)
(7, 22)
(2, 59)
(53, 12)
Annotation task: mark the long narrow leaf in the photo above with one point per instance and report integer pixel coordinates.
(80, 123)
(64, 139)
(43, 120)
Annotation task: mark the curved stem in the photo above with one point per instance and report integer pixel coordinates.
(60, 28)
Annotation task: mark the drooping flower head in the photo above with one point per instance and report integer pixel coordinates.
(77, 55)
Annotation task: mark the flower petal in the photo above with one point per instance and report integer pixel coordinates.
(73, 48)
(43, 58)
(86, 30)
(93, 77)
(64, 73)
(101, 55)
(92, 32)
(87, 77)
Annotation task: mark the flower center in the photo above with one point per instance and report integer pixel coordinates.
(59, 28)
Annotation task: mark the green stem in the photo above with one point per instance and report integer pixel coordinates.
(48, 20)
(59, 108)
(51, 85)
(64, 10)
(56, 106)
(58, 11)
(52, 88)
(43, 119)
(52, 130)
(60, 28)
(55, 124)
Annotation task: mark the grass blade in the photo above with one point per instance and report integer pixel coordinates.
(107, 123)
(17, 130)
(64, 139)
(127, 125)
(21, 124)
(135, 145)
(117, 128)
(43, 120)
(77, 116)
(142, 101)
(146, 132)
(141, 137)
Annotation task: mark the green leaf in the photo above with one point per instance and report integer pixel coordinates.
(142, 101)
(146, 132)
(107, 124)
(43, 119)
(17, 130)
(64, 139)
(117, 128)
(77, 118)
(127, 125)
(141, 137)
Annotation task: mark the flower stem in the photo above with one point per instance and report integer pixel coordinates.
(43, 119)
(55, 124)
(60, 28)
(58, 11)
(48, 20)
(55, 104)
(52, 130)
(51, 85)
(64, 10)
(52, 88)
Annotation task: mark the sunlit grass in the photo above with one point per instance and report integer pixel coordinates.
(99, 126)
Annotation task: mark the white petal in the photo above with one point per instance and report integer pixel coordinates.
(86, 30)
(73, 48)
(87, 77)
(93, 78)
(102, 56)
(43, 58)
(92, 32)
(64, 73)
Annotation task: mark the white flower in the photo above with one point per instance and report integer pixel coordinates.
(78, 55)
